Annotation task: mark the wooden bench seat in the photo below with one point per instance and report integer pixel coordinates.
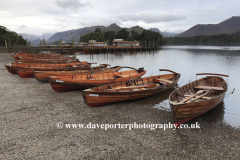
(142, 87)
(207, 98)
(127, 88)
(122, 76)
(209, 87)
(163, 80)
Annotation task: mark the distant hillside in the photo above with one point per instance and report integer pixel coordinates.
(37, 41)
(229, 26)
(135, 28)
(66, 36)
(220, 39)
(165, 34)
(32, 37)
(168, 34)
(113, 27)
(75, 34)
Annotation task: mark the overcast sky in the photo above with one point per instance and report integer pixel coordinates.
(51, 16)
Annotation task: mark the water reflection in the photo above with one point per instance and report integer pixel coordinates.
(201, 47)
(216, 114)
(159, 101)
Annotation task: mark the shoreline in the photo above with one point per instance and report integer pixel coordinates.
(31, 110)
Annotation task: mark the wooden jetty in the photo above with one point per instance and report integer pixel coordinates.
(73, 48)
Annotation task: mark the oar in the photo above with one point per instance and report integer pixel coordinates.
(193, 100)
(207, 98)
(187, 99)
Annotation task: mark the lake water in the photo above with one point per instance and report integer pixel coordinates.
(187, 60)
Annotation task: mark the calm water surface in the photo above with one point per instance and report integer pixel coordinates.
(187, 60)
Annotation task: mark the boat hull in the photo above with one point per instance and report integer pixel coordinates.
(64, 87)
(196, 98)
(29, 72)
(43, 81)
(10, 69)
(43, 76)
(68, 84)
(25, 73)
(184, 113)
(100, 99)
(137, 89)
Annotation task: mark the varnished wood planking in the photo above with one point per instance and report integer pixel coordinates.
(183, 112)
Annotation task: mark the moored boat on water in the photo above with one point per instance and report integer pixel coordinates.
(198, 97)
(80, 82)
(130, 90)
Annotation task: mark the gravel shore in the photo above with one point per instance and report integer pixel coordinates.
(30, 112)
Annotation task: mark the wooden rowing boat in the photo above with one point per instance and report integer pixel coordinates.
(80, 82)
(27, 72)
(12, 68)
(43, 58)
(42, 76)
(24, 65)
(37, 53)
(47, 61)
(130, 90)
(72, 60)
(198, 97)
(30, 54)
(37, 56)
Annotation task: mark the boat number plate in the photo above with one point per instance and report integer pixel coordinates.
(94, 95)
(59, 81)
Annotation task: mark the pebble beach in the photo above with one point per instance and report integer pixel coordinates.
(33, 118)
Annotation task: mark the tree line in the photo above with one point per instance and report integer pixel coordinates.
(109, 36)
(12, 36)
(205, 39)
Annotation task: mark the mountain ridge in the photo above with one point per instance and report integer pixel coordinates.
(31, 37)
(75, 34)
(228, 26)
(66, 36)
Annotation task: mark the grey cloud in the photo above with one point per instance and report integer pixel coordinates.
(72, 4)
(151, 18)
(100, 21)
(22, 26)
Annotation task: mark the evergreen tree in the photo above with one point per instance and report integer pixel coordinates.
(122, 34)
(98, 30)
(109, 36)
(12, 36)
